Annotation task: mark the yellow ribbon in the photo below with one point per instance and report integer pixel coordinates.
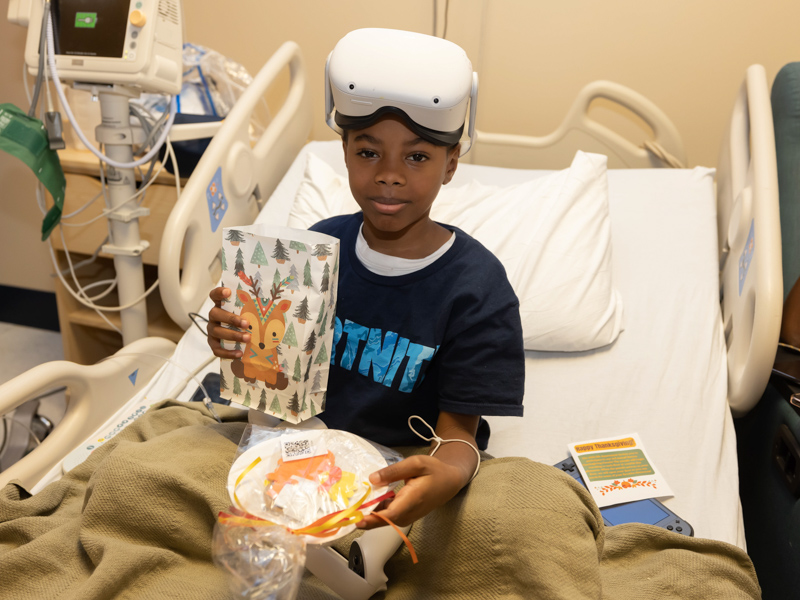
(239, 480)
(322, 527)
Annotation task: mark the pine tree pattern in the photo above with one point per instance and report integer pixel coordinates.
(322, 251)
(275, 407)
(262, 402)
(298, 375)
(246, 399)
(302, 313)
(290, 337)
(238, 265)
(326, 279)
(307, 281)
(235, 237)
(294, 404)
(322, 357)
(280, 254)
(258, 258)
(311, 343)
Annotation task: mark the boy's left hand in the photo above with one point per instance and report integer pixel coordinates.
(429, 483)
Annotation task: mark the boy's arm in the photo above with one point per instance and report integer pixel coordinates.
(430, 480)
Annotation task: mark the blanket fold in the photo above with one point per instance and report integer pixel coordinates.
(135, 521)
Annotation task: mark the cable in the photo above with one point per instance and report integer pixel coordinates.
(24, 426)
(192, 316)
(175, 170)
(65, 105)
(108, 211)
(82, 208)
(192, 375)
(75, 295)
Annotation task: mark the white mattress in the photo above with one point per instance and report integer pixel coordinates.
(664, 378)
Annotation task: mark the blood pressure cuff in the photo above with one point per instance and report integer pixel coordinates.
(26, 138)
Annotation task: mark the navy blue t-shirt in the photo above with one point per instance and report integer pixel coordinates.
(445, 338)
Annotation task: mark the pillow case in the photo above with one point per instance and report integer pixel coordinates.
(551, 233)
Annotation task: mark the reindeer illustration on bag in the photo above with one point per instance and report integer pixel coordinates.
(260, 360)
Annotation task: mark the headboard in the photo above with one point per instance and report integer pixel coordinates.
(580, 131)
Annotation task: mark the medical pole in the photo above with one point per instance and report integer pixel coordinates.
(118, 136)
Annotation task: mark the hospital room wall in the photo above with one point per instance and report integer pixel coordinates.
(688, 56)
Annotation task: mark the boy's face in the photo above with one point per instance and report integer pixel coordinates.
(395, 175)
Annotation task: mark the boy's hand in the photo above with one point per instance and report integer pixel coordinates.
(218, 316)
(430, 482)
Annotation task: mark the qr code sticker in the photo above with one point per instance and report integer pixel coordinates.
(297, 448)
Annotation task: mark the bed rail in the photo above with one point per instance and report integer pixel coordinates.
(95, 393)
(579, 130)
(229, 185)
(749, 237)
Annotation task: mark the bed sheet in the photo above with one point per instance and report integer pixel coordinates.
(665, 376)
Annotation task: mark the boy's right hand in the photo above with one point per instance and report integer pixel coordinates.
(217, 318)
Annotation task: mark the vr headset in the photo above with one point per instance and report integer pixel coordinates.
(426, 80)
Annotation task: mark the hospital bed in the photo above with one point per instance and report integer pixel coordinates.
(701, 311)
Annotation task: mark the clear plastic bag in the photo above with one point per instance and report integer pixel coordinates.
(263, 562)
(212, 83)
(299, 477)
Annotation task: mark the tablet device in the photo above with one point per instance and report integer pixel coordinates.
(650, 511)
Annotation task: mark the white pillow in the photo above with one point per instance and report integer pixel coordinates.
(552, 234)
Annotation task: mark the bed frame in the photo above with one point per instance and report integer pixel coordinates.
(747, 212)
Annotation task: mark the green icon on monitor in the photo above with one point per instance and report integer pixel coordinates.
(85, 20)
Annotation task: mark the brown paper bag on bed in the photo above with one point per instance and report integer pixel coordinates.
(284, 284)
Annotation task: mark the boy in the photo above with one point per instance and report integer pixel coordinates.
(409, 281)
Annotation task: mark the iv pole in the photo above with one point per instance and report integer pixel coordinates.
(118, 136)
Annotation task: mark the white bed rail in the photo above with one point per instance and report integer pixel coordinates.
(95, 393)
(230, 183)
(751, 278)
(579, 130)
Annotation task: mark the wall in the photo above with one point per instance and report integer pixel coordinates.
(688, 56)
(24, 260)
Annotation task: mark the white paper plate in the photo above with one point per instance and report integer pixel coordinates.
(351, 454)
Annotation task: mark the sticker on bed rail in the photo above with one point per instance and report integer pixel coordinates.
(217, 202)
(81, 453)
(618, 470)
(747, 256)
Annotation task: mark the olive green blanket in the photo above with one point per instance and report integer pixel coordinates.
(135, 521)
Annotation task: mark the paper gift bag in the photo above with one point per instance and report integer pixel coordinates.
(284, 284)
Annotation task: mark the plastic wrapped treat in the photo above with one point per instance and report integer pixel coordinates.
(263, 562)
(313, 482)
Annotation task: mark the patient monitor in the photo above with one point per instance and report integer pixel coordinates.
(125, 42)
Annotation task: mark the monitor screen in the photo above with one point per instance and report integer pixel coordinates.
(90, 27)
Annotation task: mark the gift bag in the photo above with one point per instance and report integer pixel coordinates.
(284, 284)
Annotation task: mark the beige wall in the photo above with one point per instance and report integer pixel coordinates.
(688, 56)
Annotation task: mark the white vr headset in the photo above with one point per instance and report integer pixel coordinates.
(427, 80)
